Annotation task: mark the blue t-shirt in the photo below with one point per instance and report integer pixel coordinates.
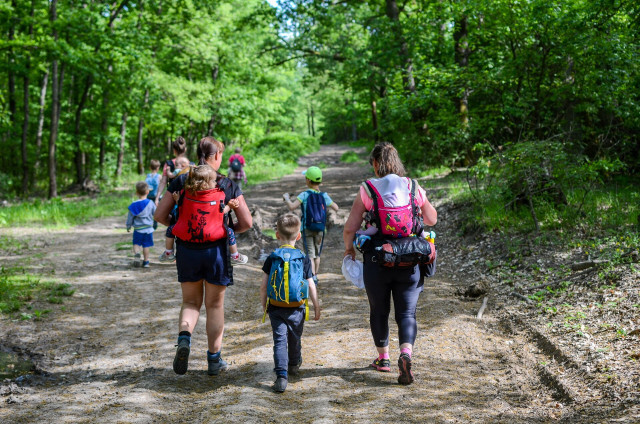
(305, 194)
(153, 180)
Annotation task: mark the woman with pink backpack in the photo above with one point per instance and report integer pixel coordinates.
(397, 206)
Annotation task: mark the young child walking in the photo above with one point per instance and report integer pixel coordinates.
(140, 217)
(182, 167)
(286, 287)
(314, 215)
(204, 178)
(153, 180)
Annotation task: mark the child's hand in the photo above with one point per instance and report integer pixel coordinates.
(176, 196)
(234, 204)
(286, 197)
(128, 230)
(317, 314)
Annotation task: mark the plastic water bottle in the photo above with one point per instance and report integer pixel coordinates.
(430, 236)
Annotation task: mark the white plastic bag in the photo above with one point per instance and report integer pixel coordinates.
(352, 271)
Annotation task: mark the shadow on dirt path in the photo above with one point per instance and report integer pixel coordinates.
(107, 356)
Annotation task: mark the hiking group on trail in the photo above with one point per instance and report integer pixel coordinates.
(398, 254)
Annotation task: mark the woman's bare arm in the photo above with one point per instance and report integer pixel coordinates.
(352, 225)
(245, 220)
(429, 213)
(164, 209)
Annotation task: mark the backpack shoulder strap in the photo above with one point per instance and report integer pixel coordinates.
(373, 193)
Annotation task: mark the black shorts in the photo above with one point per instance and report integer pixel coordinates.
(210, 264)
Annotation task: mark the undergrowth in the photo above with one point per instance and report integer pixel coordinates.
(19, 292)
(70, 210)
(274, 156)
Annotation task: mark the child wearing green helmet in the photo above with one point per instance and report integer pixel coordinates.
(314, 204)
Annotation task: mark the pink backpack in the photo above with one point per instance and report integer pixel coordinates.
(395, 212)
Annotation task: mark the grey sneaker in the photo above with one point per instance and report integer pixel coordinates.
(145, 264)
(240, 260)
(216, 367)
(167, 257)
(280, 385)
(137, 260)
(404, 367)
(293, 369)
(181, 360)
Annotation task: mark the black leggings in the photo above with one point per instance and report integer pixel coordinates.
(383, 283)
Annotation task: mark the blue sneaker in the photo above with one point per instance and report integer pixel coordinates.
(181, 360)
(215, 367)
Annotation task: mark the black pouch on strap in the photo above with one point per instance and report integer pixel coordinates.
(403, 252)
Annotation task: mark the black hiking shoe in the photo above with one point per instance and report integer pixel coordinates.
(215, 367)
(181, 360)
(383, 365)
(404, 366)
(280, 385)
(293, 369)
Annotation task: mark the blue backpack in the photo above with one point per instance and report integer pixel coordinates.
(286, 283)
(314, 217)
(315, 212)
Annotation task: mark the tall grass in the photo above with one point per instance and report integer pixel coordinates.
(67, 211)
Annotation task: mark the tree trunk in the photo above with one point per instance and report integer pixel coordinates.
(374, 120)
(80, 158)
(55, 108)
(140, 128)
(462, 52)
(25, 131)
(123, 133)
(43, 98)
(313, 124)
(393, 13)
(104, 127)
(308, 121)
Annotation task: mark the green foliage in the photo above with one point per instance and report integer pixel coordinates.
(275, 155)
(66, 212)
(19, 289)
(350, 157)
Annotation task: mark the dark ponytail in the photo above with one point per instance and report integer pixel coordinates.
(208, 147)
(179, 145)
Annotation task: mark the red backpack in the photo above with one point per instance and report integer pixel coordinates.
(200, 217)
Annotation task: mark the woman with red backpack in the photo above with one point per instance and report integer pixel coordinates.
(397, 206)
(204, 271)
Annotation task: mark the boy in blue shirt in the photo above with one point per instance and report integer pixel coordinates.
(140, 217)
(313, 239)
(153, 180)
(287, 318)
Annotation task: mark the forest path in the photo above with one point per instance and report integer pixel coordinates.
(106, 356)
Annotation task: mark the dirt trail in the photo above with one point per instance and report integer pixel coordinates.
(106, 357)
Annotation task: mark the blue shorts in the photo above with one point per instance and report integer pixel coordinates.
(210, 264)
(142, 239)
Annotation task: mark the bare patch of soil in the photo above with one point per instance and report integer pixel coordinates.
(106, 357)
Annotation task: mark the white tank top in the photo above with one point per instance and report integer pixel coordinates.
(393, 189)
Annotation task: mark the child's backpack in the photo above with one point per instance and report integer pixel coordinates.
(200, 217)
(314, 216)
(398, 218)
(314, 212)
(286, 285)
(236, 165)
